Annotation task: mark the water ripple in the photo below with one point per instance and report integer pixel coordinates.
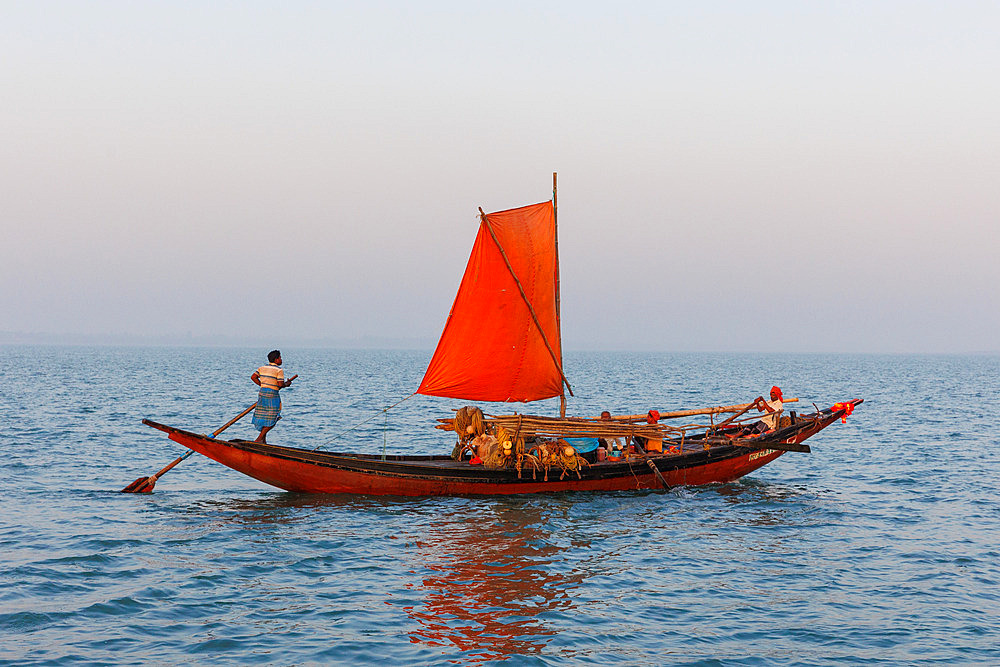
(880, 547)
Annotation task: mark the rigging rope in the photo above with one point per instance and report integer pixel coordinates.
(362, 423)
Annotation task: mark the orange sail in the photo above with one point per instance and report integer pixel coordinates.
(491, 348)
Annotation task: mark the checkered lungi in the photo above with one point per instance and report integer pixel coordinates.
(268, 410)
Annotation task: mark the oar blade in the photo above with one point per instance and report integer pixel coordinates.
(141, 485)
(146, 484)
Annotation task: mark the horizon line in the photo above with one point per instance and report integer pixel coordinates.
(374, 343)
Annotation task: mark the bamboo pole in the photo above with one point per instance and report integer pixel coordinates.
(689, 413)
(524, 296)
(663, 414)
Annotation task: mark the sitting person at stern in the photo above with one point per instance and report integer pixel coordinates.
(654, 445)
(773, 408)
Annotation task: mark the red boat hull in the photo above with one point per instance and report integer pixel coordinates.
(310, 478)
(306, 471)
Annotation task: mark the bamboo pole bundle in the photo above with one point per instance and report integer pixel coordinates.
(619, 426)
(689, 413)
(533, 427)
(668, 414)
(577, 428)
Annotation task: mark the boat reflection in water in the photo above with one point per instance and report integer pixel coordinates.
(491, 583)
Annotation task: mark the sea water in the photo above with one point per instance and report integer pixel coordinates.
(881, 546)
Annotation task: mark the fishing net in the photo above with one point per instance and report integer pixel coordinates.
(559, 454)
(466, 418)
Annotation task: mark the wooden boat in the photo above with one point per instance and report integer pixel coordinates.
(295, 469)
(502, 342)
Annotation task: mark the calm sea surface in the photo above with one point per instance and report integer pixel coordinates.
(882, 546)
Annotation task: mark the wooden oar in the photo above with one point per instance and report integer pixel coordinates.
(656, 471)
(726, 422)
(146, 484)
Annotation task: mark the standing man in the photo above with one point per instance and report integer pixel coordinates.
(270, 379)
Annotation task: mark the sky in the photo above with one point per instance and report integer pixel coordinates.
(759, 177)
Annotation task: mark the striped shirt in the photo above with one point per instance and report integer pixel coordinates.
(271, 376)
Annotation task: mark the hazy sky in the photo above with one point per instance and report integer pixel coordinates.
(732, 176)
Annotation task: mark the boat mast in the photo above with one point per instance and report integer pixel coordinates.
(555, 223)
